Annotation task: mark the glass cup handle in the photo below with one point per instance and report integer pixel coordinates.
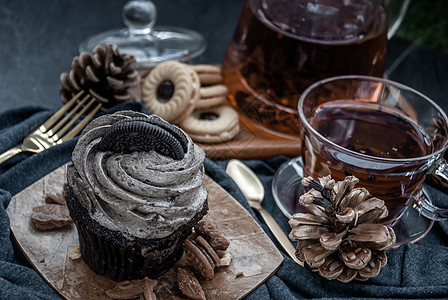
(425, 207)
(396, 11)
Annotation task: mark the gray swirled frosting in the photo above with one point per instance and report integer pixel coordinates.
(141, 194)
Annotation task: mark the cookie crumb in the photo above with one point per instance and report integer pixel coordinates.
(225, 260)
(42, 260)
(74, 252)
(239, 274)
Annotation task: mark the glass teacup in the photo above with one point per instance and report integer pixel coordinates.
(384, 133)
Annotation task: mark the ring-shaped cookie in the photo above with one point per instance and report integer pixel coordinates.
(213, 95)
(179, 75)
(208, 74)
(223, 127)
(195, 97)
(207, 69)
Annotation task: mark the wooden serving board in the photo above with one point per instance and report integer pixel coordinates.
(253, 253)
(251, 144)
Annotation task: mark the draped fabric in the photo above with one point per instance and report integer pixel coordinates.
(413, 271)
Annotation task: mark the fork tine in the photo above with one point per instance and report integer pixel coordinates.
(56, 127)
(77, 129)
(45, 126)
(67, 126)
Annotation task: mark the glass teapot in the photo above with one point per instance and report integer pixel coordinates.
(280, 47)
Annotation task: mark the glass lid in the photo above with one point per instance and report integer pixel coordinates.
(148, 43)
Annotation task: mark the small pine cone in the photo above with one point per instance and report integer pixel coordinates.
(339, 236)
(106, 75)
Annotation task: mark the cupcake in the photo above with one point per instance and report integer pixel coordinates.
(135, 190)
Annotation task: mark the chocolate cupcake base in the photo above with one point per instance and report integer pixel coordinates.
(113, 255)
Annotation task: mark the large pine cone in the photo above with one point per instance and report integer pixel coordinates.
(339, 236)
(106, 75)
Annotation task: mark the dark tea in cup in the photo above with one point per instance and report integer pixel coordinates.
(372, 130)
(383, 133)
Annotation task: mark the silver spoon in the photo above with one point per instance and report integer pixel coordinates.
(253, 190)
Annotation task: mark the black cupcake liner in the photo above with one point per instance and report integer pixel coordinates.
(113, 255)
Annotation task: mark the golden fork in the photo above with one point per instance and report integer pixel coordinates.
(56, 130)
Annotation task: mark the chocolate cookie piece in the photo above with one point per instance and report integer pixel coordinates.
(144, 134)
(211, 233)
(189, 284)
(51, 216)
(210, 251)
(133, 289)
(198, 260)
(55, 199)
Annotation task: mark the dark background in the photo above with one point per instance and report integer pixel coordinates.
(38, 40)
(426, 23)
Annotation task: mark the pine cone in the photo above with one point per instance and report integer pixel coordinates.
(339, 236)
(107, 75)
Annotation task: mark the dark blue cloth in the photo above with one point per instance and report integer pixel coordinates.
(413, 271)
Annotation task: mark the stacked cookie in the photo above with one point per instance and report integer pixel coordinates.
(191, 96)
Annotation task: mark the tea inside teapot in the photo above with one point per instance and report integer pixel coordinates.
(325, 19)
